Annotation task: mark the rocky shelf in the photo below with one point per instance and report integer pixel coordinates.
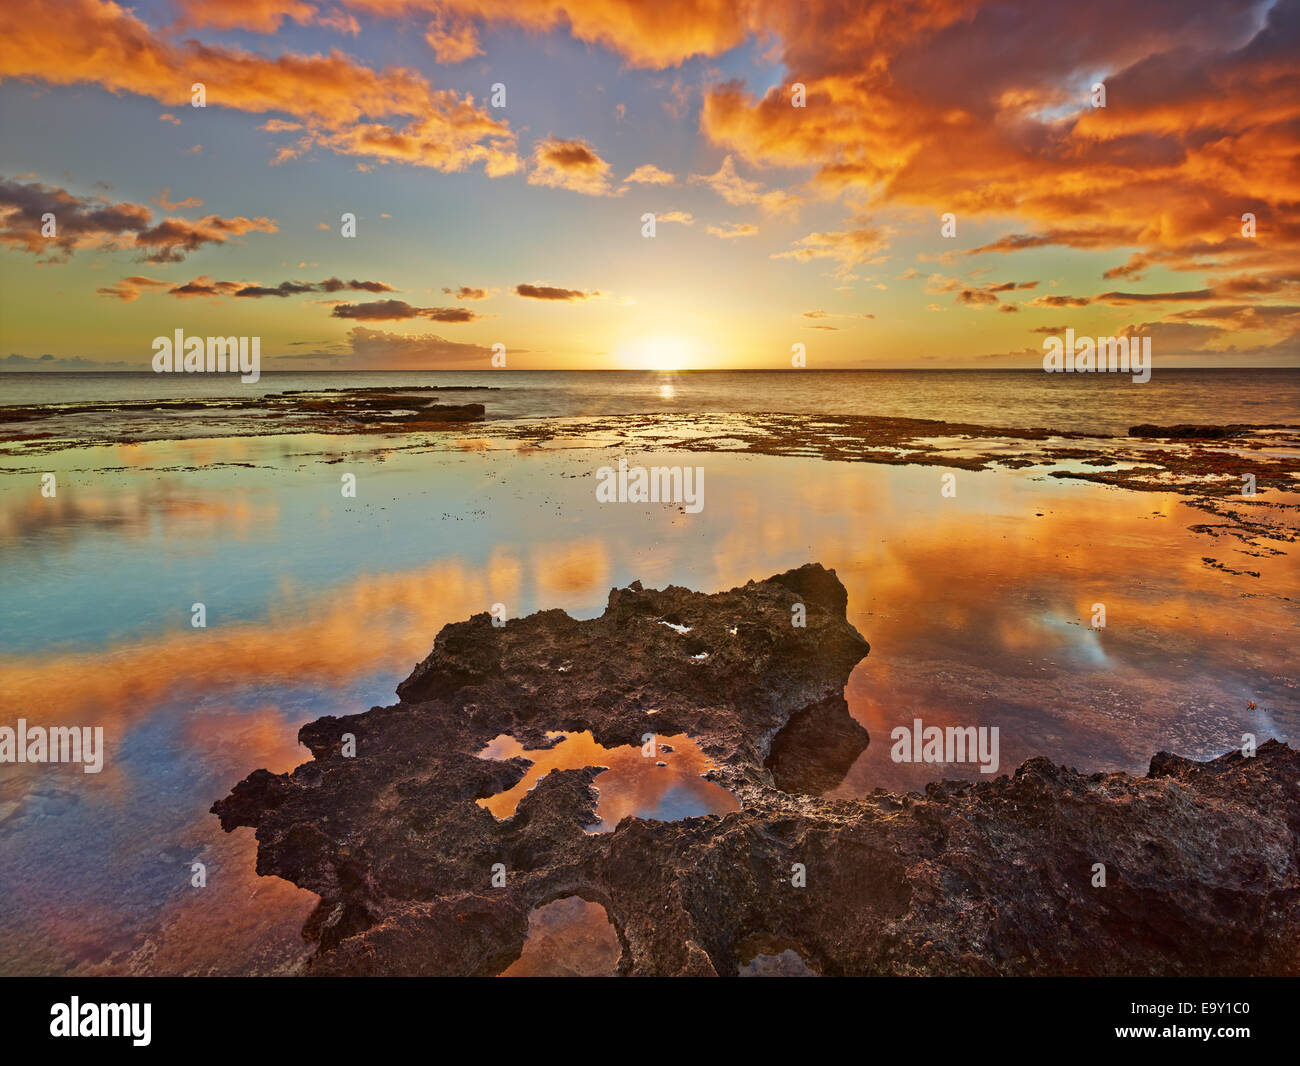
(996, 877)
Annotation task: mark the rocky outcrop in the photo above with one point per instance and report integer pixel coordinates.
(1201, 859)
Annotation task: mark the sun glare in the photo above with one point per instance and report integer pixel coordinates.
(656, 353)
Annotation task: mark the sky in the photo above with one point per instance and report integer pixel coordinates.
(929, 183)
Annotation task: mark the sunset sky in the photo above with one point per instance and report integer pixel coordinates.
(522, 224)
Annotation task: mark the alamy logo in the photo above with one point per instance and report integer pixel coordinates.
(179, 354)
(56, 744)
(1087, 355)
(955, 744)
(657, 484)
(102, 1019)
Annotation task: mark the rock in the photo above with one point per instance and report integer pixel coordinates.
(994, 877)
(1187, 432)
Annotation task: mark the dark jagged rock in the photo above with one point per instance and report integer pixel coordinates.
(818, 747)
(1201, 859)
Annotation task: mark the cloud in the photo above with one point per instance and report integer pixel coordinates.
(1060, 301)
(1079, 238)
(1229, 289)
(981, 109)
(572, 165)
(685, 218)
(969, 106)
(1281, 319)
(834, 314)
(92, 222)
(129, 289)
(936, 284)
(79, 223)
(550, 292)
(338, 285)
(984, 295)
(848, 248)
(649, 174)
(392, 115)
(381, 310)
(657, 35)
(188, 204)
(14, 361)
(206, 286)
(374, 349)
(742, 192)
(1153, 297)
(730, 231)
(259, 16)
(468, 292)
(296, 288)
(452, 39)
(170, 240)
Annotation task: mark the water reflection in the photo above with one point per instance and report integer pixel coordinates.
(978, 609)
(666, 785)
(569, 937)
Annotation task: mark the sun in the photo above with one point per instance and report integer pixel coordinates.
(656, 353)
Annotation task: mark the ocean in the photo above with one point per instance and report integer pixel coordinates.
(1087, 403)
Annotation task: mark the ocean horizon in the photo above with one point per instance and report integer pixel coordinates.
(1090, 403)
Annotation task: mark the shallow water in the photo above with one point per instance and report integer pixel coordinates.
(662, 779)
(978, 609)
(569, 937)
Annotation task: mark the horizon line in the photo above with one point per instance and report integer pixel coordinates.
(634, 370)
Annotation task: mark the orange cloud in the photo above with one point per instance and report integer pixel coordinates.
(649, 174)
(845, 247)
(453, 40)
(647, 35)
(380, 310)
(260, 16)
(984, 111)
(742, 192)
(572, 165)
(71, 42)
(731, 230)
(129, 289)
(550, 292)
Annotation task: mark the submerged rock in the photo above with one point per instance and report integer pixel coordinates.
(1202, 860)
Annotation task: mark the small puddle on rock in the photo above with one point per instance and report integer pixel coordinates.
(666, 787)
(569, 937)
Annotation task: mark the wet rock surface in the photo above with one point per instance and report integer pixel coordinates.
(1202, 859)
(407, 409)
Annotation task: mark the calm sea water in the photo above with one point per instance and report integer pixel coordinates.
(1100, 403)
(977, 607)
